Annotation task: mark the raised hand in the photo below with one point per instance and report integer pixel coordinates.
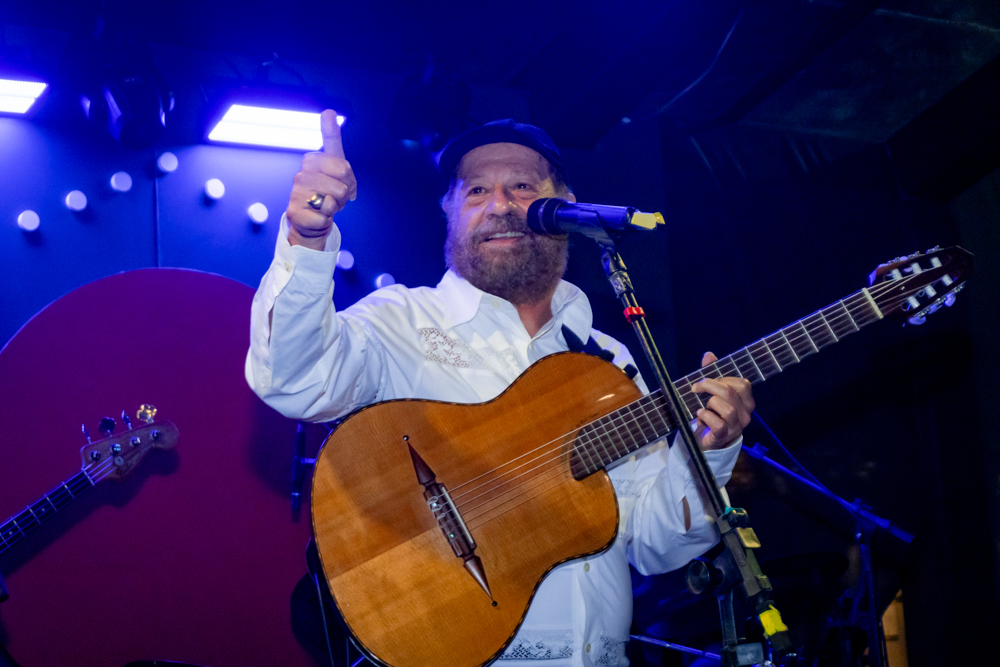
(727, 412)
(327, 174)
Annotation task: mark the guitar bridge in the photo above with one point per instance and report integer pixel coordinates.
(450, 520)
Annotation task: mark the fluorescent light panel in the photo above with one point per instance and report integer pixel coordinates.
(276, 128)
(18, 96)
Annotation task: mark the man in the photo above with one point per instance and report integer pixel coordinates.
(500, 307)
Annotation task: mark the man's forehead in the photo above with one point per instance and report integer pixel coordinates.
(507, 155)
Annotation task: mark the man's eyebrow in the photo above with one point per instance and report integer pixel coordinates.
(517, 173)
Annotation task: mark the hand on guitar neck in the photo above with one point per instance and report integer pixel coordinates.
(727, 412)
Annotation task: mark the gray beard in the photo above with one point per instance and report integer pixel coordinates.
(524, 274)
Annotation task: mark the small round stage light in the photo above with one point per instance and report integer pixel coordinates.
(76, 201)
(167, 163)
(345, 260)
(214, 188)
(121, 181)
(28, 221)
(384, 280)
(257, 213)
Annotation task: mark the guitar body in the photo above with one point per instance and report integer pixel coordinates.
(399, 586)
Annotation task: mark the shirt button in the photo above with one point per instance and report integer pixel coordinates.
(496, 303)
(587, 648)
(288, 267)
(586, 567)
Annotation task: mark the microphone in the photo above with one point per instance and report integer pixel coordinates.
(558, 216)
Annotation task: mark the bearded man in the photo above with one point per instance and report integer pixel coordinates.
(501, 306)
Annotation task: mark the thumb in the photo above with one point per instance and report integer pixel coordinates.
(708, 358)
(331, 133)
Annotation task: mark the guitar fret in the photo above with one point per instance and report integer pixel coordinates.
(789, 345)
(780, 350)
(844, 327)
(757, 376)
(820, 332)
(810, 347)
(768, 365)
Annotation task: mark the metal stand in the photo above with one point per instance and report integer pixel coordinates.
(866, 522)
(736, 564)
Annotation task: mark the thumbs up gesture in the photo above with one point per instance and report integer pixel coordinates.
(327, 175)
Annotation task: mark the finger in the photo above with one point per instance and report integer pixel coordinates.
(332, 143)
(718, 430)
(708, 358)
(310, 183)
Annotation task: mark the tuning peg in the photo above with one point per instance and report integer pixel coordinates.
(949, 299)
(147, 413)
(107, 426)
(917, 321)
(86, 433)
(126, 420)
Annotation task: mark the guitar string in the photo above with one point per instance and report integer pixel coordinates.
(690, 398)
(854, 303)
(614, 437)
(617, 415)
(99, 473)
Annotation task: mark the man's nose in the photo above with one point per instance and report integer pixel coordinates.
(500, 201)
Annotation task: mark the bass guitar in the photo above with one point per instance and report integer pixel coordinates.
(436, 522)
(114, 457)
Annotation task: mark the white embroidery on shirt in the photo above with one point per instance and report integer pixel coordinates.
(443, 349)
(541, 645)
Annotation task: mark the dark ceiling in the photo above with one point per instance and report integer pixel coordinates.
(859, 69)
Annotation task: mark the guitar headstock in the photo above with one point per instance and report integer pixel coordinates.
(117, 455)
(919, 284)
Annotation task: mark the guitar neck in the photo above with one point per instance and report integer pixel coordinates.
(634, 426)
(14, 529)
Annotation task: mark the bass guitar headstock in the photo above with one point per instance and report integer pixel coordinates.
(117, 455)
(917, 285)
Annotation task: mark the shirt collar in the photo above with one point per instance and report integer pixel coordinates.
(461, 301)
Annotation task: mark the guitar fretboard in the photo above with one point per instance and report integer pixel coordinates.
(634, 426)
(18, 526)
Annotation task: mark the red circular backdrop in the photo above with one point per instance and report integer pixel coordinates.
(194, 556)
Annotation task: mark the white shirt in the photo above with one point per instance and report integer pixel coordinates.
(457, 343)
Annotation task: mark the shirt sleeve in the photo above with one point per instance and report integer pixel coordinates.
(305, 361)
(657, 537)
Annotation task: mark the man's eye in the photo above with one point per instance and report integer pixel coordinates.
(478, 190)
(523, 186)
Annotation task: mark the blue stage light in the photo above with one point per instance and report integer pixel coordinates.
(18, 96)
(272, 127)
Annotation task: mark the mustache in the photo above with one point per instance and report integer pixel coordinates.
(509, 222)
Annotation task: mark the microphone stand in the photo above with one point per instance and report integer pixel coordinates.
(736, 565)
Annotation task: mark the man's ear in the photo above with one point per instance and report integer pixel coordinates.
(569, 196)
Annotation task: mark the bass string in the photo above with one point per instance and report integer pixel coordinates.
(93, 475)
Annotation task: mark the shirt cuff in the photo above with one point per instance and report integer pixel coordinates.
(311, 267)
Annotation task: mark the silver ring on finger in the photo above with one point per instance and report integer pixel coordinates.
(316, 201)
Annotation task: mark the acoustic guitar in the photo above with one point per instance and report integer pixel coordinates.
(436, 522)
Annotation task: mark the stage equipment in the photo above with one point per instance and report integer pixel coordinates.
(166, 163)
(28, 221)
(737, 565)
(75, 201)
(113, 77)
(263, 114)
(18, 96)
(430, 108)
(214, 189)
(552, 215)
(257, 213)
(121, 181)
